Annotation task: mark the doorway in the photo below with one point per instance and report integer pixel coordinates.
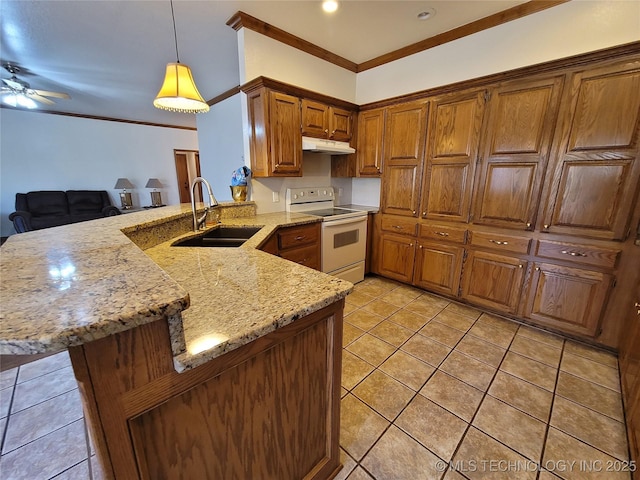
(187, 169)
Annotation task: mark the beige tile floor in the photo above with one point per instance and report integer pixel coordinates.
(428, 386)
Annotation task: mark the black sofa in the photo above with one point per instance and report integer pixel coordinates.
(51, 208)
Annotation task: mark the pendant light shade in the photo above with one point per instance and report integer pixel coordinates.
(179, 92)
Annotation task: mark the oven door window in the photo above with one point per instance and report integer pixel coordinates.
(343, 239)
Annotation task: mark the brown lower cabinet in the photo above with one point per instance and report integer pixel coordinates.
(557, 285)
(438, 267)
(493, 281)
(571, 299)
(299, 243)
(395, 257)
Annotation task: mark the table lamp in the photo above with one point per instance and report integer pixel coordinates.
(156, 198)
(125, 197)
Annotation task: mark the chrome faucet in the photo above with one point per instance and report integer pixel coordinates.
(199, 223)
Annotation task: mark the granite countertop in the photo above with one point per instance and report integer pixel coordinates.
(73, 284)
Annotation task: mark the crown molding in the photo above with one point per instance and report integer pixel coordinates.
(243, 20)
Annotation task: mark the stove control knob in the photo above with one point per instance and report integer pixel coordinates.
(324, 192)
(331, 194)
(302, 194)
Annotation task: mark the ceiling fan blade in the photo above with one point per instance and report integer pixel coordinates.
(39, 98)
(47, 93)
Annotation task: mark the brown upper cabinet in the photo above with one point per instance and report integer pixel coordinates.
(516, 146)
(404, 143)
(454, 134)
(594, 181)
(325, 121)
(370, 142)
(274, 140)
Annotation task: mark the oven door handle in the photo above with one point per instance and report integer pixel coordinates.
(346, 221)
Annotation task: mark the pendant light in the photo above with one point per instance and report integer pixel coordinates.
(179, 92)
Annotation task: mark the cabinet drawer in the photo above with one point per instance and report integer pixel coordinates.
(299, 236)
(585, 254)
(404, 226)
(307, 256)
(446, 233)
(500, 242)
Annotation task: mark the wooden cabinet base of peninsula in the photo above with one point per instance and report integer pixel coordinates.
(269, 409)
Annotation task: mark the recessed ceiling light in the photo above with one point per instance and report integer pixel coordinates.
(426, 14)
(330, 6)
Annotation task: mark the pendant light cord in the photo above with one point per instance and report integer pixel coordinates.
(175, 35)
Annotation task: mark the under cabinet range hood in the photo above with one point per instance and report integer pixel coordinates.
(319, 145)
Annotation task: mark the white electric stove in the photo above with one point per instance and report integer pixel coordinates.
(344, 231)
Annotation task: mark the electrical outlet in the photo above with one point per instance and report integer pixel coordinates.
(276, 197)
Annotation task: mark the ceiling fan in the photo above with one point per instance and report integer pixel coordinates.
(16, 92)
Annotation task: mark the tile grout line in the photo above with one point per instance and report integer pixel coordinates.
(417, 392)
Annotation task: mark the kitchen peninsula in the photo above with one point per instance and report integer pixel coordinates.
(192, 362)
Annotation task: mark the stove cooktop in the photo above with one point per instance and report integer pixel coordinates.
(330, 212)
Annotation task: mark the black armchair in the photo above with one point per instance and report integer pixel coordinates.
(43, 209)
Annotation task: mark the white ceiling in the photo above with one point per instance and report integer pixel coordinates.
(110, 55)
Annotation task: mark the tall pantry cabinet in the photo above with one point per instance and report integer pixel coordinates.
(527, 196)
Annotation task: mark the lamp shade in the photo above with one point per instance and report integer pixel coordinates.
(179, 92)
(153, 183)
(124, 184)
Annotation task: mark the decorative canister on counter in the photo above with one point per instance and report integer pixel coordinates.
(239, 184)
(238, 192)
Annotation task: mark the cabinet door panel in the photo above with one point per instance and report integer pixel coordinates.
(396, 257)
(315, 119)
(447, 196)
(405, 134)
(570, 299)
(438, 267)
(402, 198)
(339, 124)
(509, 190)
(516, 146)
(595, 184)
(370, 142)
(258, 107)
(595, 179)
(494, 281)
(286, 141)
(454, 133)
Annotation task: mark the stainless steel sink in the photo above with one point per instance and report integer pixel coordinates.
(220, 237)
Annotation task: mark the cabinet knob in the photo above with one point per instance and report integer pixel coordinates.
(528, 224)
(637, 304)
(411, 244)
(537, 269)
(398, 227)
(498, 242)
(442, 234)
(546, 227)
(420, 246)
(414, 212)
(277, 165)
(424, 214)
(326, 130)
(520, 266)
